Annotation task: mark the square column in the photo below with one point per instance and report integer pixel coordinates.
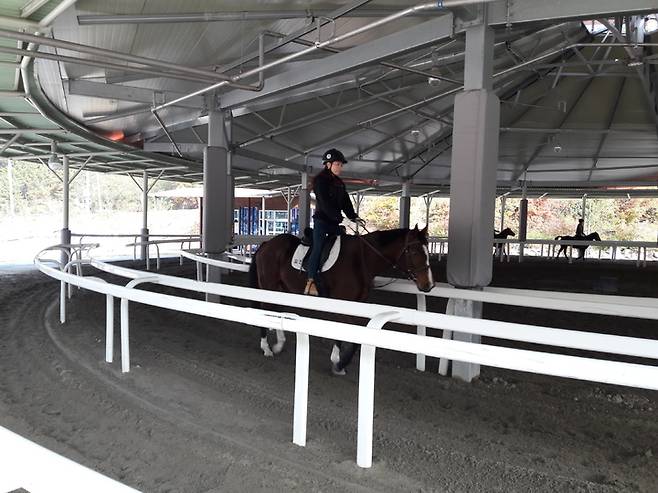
(473, 183)
(304, 203)
(405, 205)
(217, 190)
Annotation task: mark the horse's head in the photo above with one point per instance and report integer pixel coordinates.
(595, 236)
(507, 232)
(415, 259)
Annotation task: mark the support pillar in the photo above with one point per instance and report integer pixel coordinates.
(65, 235)
(523, 220)
(289, 198)
(503, 201)
(358, 200)
(473, 182)
(584, 210)
(217, 190)
(405, 205)
(428, 204)
(10, 178)
(145, 224)
(304, 203)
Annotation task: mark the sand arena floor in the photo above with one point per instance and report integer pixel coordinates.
(203, 411)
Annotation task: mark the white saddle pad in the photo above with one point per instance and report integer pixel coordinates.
(300, 253)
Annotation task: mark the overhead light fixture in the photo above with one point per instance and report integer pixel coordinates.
(634, 63)
(53, 161)
(542, 195)
(415, 132)
(433, 81)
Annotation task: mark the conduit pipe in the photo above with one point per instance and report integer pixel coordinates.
(87, 20)
(107, 65)
(124, 57)
(319, 45)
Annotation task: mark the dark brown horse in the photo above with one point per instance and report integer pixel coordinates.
(350, 278)
(581, 248)
(498, 246)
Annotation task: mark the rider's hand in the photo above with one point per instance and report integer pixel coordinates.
(360, 222)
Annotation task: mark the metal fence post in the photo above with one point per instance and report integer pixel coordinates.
(367, 393)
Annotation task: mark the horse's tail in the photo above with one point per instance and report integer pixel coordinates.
(253, 278)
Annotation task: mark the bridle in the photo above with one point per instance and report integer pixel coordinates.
(408, 273)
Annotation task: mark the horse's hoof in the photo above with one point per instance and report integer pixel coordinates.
(267, 353)
(338, 371)
(277, 348)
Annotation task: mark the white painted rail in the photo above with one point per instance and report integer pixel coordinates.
(373, 336)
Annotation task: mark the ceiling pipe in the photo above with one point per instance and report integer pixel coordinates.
(55, 13)
(90, 20)
(101, 64)
(124, 57)
(441, 4)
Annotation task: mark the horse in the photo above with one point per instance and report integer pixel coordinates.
(498, 246)
(581, 248)
(361, 258)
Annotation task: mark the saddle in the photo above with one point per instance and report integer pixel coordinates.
(330, 251)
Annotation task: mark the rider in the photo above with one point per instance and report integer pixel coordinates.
(580, 229)
(331, 200)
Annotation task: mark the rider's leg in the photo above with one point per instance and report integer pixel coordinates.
(319, 235)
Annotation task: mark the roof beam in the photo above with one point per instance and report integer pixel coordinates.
(126, 93)
(32, 6)
(505, 13)
(394, 44)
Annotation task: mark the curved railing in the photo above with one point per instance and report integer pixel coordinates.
(373, 335)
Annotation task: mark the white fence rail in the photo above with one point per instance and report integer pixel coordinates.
(373, 336)
(439, 246)
(623, 306)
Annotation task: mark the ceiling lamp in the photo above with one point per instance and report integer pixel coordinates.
(53, 161)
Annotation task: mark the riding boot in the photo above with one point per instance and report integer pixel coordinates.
(311, 289)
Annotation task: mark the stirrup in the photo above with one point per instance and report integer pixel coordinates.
(311, 289)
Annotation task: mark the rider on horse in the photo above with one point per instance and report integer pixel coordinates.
(580, 229)
(331, 200)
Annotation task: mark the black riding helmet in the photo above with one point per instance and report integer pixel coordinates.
(333, 155)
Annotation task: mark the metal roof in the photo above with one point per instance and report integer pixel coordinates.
(578, 112)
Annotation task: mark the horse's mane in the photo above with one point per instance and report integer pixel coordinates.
(385, 237)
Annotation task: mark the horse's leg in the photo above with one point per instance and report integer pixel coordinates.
(335, 353)
(264, 345)
(346, 353)
(280, 341)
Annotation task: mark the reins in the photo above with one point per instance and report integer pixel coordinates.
(411, 275)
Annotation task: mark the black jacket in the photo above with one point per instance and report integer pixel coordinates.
(331, 198)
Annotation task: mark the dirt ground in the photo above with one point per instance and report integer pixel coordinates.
(203, 411)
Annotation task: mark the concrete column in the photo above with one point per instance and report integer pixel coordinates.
(217, 190)
(584, 210)
(503, 201)
(523, 220)
(289, 198)
(65, 235)
(304, 203)
(10, 178)
(405, 205)
(145, 208)
(428, 204)
(473, 181)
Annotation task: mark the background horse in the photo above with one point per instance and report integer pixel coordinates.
(581, 248)
(499, 250)
(361, 258)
